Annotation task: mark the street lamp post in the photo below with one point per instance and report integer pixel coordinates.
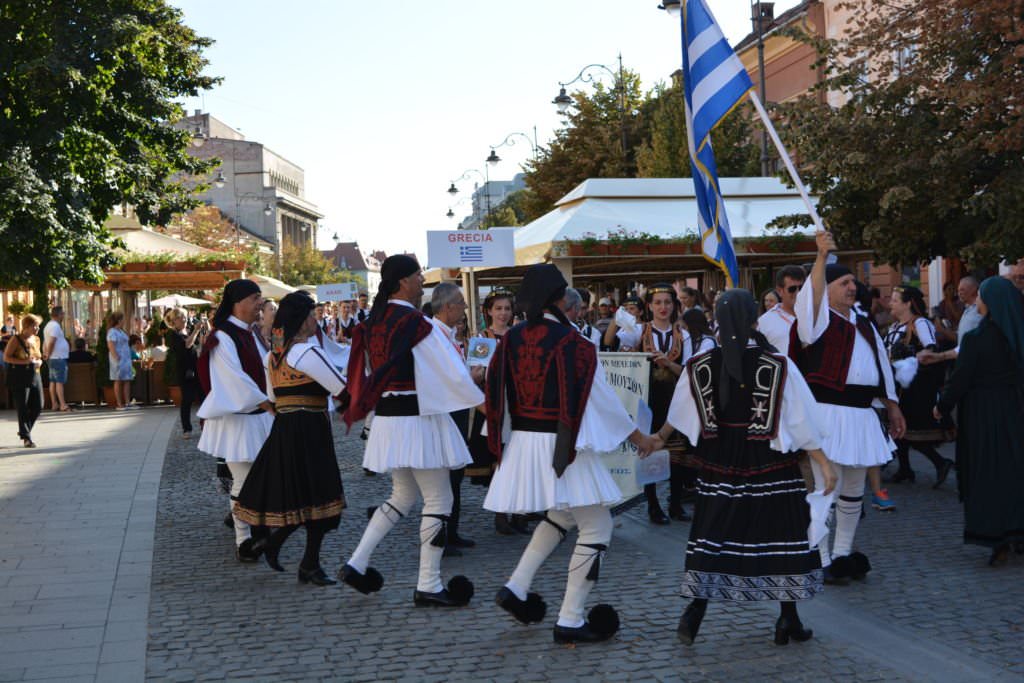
(493, 159)
(563, 101)
(485, 176)
(267, 210)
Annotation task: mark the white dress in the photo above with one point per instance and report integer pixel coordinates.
(430, 440)
(229, 432)
(856, 436)
(525, 481)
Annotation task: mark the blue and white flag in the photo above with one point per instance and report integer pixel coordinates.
(714, 82)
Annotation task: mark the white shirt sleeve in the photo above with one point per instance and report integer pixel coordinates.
(630, 338)
(606, 424)
(801, 424)
(807, 329)
(314, 362)
(682, 411)
(887, 377)
(925, 331)
(231, 390)
(443, 383)
(336, 354)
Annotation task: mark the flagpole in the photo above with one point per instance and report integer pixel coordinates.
(784, 155)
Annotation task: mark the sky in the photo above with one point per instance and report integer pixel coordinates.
(383, 104)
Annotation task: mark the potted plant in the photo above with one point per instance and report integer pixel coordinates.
(17, 309)
(103, 365)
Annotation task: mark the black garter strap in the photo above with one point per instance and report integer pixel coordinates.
(440, 539)
(562, 532)
(852, 499)
(396, 510)
(595, 568)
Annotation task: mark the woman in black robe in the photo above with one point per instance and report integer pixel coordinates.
(987, 389)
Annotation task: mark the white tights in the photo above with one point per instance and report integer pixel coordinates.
(595, 529)
(239, 471)
(407, 485)
(849, 501)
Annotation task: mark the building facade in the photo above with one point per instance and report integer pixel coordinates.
(364, 265)
(262, 192)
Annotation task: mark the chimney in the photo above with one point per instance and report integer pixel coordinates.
(198, 112)
(762, 16)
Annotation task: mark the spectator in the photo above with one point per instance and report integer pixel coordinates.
(604, 314)
(1016, 275)
(23, 360)
(264, 331)
(967, 291)
(689, 298)
(77, 329)
(950, 308)
(183, 348)
(90, 332)
(81, 354)
(985, 388)
(8, 329)
(346, 321)
(120, 354)
(55, 353)
(880, 310)
(776, 322)
(769, 300)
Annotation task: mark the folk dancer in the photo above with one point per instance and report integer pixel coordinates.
(396, 354)
(748, 410)
(295, 479)
(546, 381)
(237, 412)
(843, 359)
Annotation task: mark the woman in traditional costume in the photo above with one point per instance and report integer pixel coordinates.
(295, 479)
(748, 410)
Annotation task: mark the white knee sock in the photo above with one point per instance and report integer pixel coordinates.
(429, 580)
(239, 471)
(595, 525)
(848, 508)
(545, 539)
(819, 485)
(384, 519)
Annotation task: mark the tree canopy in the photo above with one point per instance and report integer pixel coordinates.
(923, 158)
(304, 265)
(88, 96)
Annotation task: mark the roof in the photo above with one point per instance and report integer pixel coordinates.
(349, 256)
(783, 19)
(140, 240)
(666, 207)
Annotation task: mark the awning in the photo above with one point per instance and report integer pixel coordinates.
(271, 287)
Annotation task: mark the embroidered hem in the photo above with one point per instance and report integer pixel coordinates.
(714, 586)
(290, 517)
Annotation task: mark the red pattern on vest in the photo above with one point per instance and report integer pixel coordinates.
(544, 371)
(826, 362)
(385, 344)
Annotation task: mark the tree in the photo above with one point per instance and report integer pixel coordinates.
(206, 225)
(88, 94)
(306, 266)
(665, 154)
(588, 146)
(924, 158)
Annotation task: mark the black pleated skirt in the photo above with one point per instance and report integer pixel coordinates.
(295, 477)
(748, 540)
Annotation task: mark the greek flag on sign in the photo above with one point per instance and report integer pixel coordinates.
(714, 82)
(471, 254)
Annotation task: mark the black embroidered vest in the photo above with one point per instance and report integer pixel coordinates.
(826, 363)
(755, 404)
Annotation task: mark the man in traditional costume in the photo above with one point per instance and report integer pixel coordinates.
(397, 355)
(545, 378)
(843, 359)
(237, 413)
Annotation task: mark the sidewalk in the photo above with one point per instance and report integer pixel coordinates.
(76, 544)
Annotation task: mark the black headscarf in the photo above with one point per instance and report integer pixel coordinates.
(542, 286)
(293, 310)
(736, 313)
(394, 269)
(234, 291)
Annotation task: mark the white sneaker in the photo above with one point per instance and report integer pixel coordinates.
(121, 408)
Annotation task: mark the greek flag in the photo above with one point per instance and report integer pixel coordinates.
(714, 82)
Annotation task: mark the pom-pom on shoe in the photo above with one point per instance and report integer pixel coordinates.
(859, 566)
(529, 611)
(458, 594)
(367, 583)
(602, 623)
(461, 589)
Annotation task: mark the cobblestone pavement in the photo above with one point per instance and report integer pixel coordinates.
(930, 610)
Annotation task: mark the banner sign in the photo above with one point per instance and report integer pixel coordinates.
(343, 291)
(470, 248)
(629, 374)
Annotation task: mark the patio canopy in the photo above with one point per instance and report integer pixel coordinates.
(175, 300)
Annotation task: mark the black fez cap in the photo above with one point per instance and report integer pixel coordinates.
(542, 285)
(834, 271)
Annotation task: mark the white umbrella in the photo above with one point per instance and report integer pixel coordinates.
(175, 300)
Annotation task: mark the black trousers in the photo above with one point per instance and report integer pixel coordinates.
(461, 419)
(189, 395)
(28, 400)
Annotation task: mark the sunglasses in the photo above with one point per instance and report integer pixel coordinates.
(793, 289)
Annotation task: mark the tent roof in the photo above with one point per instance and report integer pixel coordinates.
(666, 207)
(271, 287)
(140, 240)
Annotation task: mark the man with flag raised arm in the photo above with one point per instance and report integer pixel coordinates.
(844, 361)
